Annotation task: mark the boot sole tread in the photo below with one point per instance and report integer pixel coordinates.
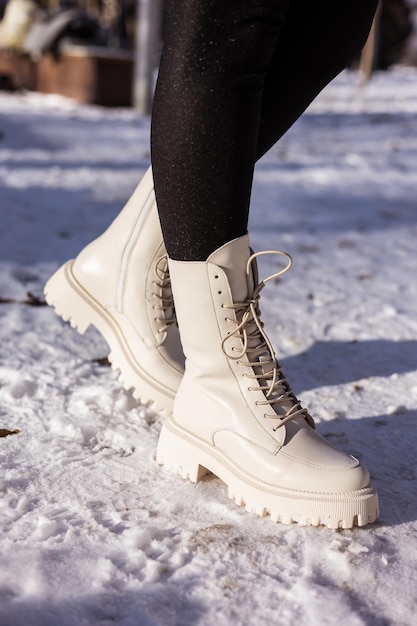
(193, 458)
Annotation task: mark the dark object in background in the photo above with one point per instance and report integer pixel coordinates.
(2, 8)
(69, 24)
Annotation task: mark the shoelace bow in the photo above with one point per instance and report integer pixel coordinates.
(259, 350)
(165, 301)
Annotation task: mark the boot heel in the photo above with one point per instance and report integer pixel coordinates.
(61, 293)
(179, 456)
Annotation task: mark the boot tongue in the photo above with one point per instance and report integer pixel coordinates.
(232, 258)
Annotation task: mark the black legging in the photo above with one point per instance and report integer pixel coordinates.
(234, 76)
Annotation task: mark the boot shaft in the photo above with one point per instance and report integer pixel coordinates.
(126, 268)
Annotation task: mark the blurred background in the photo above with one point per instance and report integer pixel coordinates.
(106, 52)
(102, 52)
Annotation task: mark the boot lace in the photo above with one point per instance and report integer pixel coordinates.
(261, 361)
(163, 295)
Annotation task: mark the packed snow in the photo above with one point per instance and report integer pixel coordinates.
(93, 532)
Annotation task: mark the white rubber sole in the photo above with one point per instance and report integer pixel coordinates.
(76, 306)
(192, 458)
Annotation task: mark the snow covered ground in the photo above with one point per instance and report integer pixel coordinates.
(92, 531)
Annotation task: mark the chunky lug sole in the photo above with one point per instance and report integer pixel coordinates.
(76, 306)
(192, 458)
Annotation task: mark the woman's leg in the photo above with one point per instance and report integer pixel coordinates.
(206, 115)
(234, 77)
(319, 40)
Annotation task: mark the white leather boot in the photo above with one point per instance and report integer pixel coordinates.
(120, 284)
(235, 414)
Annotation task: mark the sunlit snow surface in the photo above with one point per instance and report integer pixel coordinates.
(92, 531)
